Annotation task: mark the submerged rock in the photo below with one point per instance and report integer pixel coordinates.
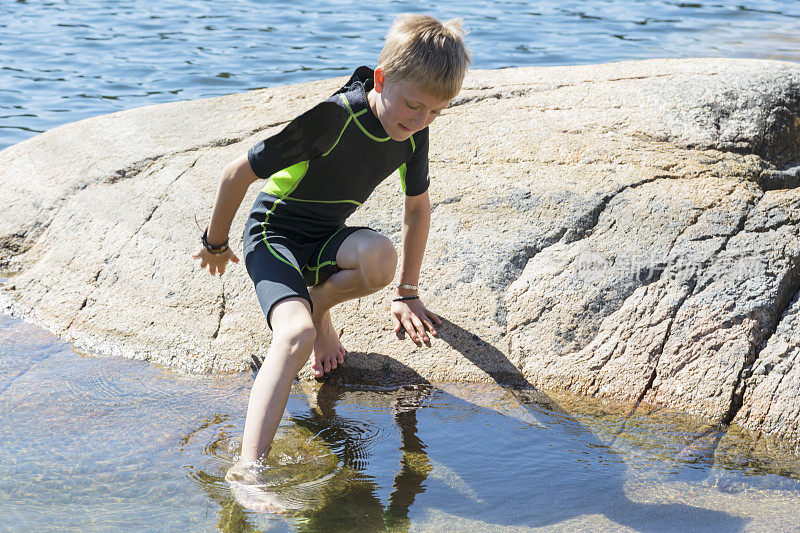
(628, 231)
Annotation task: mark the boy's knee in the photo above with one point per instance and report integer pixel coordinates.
(378, 263)
(295, 338)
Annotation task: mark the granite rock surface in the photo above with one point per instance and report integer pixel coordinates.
(627, 231)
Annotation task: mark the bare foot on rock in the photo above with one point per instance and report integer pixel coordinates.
(328, 350)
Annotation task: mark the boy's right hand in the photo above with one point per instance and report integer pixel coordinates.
(216, 262)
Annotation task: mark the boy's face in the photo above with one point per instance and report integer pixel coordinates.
(402, 107)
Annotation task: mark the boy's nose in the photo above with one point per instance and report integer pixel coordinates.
(420, 120)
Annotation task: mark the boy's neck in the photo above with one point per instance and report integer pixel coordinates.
(372, 97)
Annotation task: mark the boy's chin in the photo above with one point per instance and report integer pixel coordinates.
(401, 135)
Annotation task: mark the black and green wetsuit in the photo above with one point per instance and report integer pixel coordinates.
(319, 169)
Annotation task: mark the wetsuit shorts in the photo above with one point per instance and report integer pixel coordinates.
(283, 263)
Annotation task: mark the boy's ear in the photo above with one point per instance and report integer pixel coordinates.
(380, 79)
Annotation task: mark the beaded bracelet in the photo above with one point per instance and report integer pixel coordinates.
(216, 250)
(405, 298)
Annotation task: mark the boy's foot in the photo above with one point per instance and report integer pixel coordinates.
(328, 350)
(255, 498)
(250, 492)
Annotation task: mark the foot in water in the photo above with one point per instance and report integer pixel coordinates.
(328, 350)
(250, 492)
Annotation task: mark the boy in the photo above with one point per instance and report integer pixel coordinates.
(319, 169)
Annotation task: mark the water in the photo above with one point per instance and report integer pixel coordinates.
(92, 444)
(64, 60)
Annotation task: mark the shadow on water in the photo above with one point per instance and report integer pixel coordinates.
(607, 495)
(567, 473)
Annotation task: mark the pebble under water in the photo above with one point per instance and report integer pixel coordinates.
(92, 443)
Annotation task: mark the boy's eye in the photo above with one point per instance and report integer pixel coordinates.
(411, 106)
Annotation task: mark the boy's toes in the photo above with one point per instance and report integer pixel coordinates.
(316, 367)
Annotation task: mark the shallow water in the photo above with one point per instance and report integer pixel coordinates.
(93, 443)
(64, 60)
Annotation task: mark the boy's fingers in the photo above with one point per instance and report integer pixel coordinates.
(418, 330)
(429, 325)
(397, 327)
(420, 327)
(409, 327)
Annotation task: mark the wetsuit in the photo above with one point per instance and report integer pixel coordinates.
(319, 169)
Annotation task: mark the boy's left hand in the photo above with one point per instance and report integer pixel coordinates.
(413, 317)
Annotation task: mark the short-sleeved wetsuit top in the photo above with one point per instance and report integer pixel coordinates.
(327, 161)
(319, 169)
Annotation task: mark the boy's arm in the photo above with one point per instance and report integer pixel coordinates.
(236, 179)
(412, 315)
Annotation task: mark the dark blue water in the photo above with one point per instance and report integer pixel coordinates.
(63, 60)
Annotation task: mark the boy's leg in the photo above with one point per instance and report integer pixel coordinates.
(293, 337)
(367, 261)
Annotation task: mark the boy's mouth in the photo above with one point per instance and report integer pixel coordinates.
(405, 129)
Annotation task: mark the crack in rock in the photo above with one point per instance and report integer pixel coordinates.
(111, 260)
(660, 351)
(576, 231)
(10, 246)
(697, 287)
(788, 290)
(585, 225)
(221, 311)
(582, 229)
(692, 282)
(787, 177)
(130, 172)
(497, 95)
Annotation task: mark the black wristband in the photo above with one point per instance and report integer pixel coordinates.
(405, 298)
(216, 250)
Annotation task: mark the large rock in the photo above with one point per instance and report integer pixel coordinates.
(628, 231)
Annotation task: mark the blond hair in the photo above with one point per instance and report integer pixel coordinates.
(430, 53)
